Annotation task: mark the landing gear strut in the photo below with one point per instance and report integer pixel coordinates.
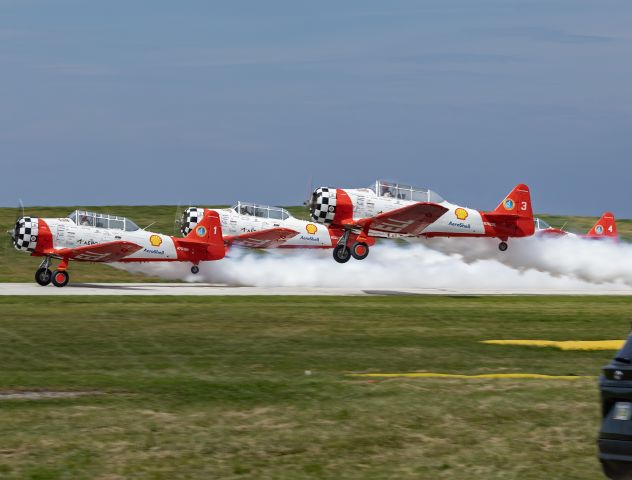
(342, 253)
(43, 275)
(195, 269)
(502, 246)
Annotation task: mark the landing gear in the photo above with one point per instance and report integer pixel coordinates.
(43, 276)
(502, 246)
(195, 269)
(60, 278)
(359, 250)
(342, 253)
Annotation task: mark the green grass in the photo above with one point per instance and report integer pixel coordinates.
(19, 267)
(215, 387)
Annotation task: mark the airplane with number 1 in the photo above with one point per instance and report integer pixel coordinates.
(394, 210)
(96, 237)
(259, 226)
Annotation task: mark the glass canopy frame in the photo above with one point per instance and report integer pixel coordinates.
(102, 220)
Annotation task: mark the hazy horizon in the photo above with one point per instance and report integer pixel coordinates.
(160, 103)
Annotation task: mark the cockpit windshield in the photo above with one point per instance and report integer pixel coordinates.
(541, 224)
(102, 220)
(261, 211)
(405, 192)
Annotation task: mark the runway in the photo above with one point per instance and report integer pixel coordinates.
(206, 289)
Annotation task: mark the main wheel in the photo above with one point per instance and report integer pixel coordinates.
(195, 269)
(502, 246)
(43, 276)
(342, 254)
(60, 278)
(359, 250)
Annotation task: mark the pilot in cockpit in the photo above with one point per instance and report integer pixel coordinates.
(387, 192)
(246, 210)
(85, 221)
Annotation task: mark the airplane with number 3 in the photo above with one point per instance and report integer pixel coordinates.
(96, 237)
(394, 210)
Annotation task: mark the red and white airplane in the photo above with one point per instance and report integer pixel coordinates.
(96, 237)
(606, 227)
(394, 210)
(261, 226)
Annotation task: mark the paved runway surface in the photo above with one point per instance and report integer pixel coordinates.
(208, 289)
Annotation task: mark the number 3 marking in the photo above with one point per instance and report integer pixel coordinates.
(523, 205)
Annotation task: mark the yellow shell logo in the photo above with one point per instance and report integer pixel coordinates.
(311, 228)
(155, 240)
(461, 213)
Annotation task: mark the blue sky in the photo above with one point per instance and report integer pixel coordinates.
(152, 102)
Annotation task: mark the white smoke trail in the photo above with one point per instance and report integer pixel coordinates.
(450, 263)
(594, 261)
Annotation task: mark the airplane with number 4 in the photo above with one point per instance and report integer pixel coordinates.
(605, 228)
(393, 210)
(261, 226)
(96, 237)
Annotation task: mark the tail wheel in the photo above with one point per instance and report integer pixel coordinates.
(342, 253)
(502, 246)
(195, 269)
(43, 276)
(359, 250)
(60, 278)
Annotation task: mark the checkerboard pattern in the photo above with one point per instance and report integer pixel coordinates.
(25, 237)
(323, 207)
(190, 218)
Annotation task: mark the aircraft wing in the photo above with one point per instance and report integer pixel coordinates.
(270, 238)
(409, 220)
(102, 252)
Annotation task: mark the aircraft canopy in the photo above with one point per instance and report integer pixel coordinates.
(261, 211)
(541, 224)
(405, 192)
(102, 220)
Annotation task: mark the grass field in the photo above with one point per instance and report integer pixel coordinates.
(19, 267)
(215, 387)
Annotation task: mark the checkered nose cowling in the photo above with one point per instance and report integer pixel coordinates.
(190, 218)
(323, 205)
(25, 234)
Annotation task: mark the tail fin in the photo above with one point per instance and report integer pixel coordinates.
(517, 203)
(209, 231)
(514, 216)
(605, 227)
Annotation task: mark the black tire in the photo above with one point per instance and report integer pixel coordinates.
(60, 278)
(502, 246)
(359, 250)
(342, 253)
(195, 269)
(43, 276)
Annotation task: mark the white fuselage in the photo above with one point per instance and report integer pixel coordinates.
(457, 220)
(310, 234)
(155, 246)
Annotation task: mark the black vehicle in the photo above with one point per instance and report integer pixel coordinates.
(615, 436)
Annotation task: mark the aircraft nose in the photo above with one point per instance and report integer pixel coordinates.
(25, 233)
(322, 206)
